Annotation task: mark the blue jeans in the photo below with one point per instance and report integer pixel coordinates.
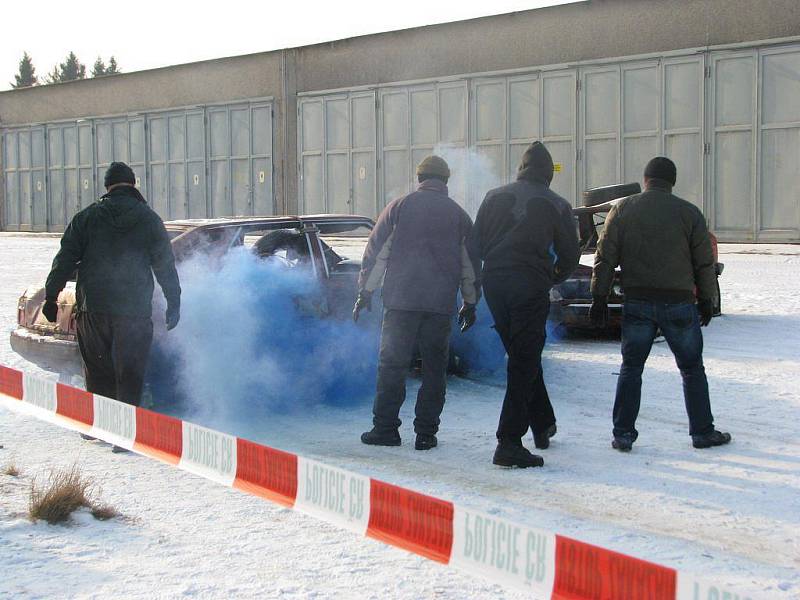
(680, 325)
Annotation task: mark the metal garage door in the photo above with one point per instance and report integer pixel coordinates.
(25, 179)
(778, 208)
(733, 144)
(240, 159)
(631, 112)
(421, 120)
(11, 214)
(509, 113)
(62, 174)
(336, 149)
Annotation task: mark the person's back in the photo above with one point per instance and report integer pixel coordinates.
(663, 246)
(121, 239)
(518, 228)
(424, 268)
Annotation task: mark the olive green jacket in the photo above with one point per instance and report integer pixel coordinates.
(662, 246)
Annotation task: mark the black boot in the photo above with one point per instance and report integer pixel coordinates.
(707, 440)
(514, 454)
(381, 438)
(542, 439)
(425, 441)
(624, 441)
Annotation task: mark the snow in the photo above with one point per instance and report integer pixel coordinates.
(730, 514)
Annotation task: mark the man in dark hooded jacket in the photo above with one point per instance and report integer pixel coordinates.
(526, 236)
(116, 245)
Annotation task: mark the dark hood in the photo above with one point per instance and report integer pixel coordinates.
(537, 164)
(123, 207)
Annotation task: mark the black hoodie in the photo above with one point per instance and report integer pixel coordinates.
(116, 244)
(526, 229)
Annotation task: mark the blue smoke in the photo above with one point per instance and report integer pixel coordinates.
(479, 349)
(252, 340)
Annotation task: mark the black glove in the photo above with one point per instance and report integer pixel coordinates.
(50, 310)
(598, 311)
(467, 316)
(363, 301)
(706, 310)
(173, 316)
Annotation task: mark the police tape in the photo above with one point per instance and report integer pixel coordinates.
(541, 563)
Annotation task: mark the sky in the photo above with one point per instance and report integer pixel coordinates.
(149, 34)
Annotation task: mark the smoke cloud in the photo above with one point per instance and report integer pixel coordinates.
(251, 342)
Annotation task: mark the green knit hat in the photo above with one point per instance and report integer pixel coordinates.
(434, 165)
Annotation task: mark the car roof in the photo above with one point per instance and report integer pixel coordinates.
(275, 219)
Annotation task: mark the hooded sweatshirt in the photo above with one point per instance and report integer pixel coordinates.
(524, 229)
(116, 245)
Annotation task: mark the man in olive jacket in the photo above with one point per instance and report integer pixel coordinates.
(663, 248)
(116, 245)
(418, 252)
(526, 236)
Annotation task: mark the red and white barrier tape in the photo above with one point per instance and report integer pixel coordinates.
(544, 564)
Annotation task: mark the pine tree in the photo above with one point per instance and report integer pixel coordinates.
(113, 68)
(72, 68)
(99, 68)
(53, 76)
(27, 73)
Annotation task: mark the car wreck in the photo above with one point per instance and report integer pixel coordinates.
(331, 247)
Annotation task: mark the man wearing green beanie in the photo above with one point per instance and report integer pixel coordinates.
(418, 253)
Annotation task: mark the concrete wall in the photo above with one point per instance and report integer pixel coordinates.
(563, 34)
(555, 35)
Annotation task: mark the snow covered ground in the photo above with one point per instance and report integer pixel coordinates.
(731, 514)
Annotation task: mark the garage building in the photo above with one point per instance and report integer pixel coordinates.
(339, 127)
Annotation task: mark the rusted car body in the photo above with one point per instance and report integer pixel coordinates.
(331, 245)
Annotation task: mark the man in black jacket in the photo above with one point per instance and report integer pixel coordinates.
(662, 245)
(526, 236)
(116, 245)
(418, 252)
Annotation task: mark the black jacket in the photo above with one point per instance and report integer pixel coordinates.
(419, 244)
(116, 244)
(526, 228)
(662, 245)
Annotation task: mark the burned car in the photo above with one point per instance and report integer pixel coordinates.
(331, 245)
(570, 300)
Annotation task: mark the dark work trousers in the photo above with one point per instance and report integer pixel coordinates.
(114, 350)
(520, 317)
(680, 324)
(401, 331)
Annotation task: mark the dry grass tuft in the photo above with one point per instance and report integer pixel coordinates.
(66, 491)
(11, 469)
(104, 512)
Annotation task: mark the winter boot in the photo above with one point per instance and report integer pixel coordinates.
(514, 454)
(707, 440)
(425, 441)
(623, 442)
(379, 438)
(542, 439)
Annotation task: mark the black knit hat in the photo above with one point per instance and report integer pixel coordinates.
(662, 168)
(119, 172)
(537, 164)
